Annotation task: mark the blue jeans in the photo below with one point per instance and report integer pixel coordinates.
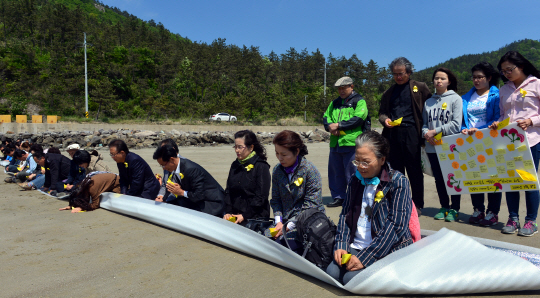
(532, 197)
(38, 182)
(340, 170)
(340, 273)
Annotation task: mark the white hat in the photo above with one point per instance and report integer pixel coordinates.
(73, 147)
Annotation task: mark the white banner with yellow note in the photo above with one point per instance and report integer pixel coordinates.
(487, 161)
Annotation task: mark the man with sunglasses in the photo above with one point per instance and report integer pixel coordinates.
(136, 176)
(404, 102)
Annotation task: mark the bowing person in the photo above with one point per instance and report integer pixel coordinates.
(86, 196)
(248, 184)
(56, 170)
(374, 221)
(193, 186)
(136, 177)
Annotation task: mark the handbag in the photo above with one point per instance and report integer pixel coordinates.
(259, 225)
(426, 165)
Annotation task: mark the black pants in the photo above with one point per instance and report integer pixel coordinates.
(441, 186)
(405, 154)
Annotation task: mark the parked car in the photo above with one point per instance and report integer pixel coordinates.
(222, 117)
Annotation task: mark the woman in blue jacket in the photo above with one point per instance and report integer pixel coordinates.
(480, 109)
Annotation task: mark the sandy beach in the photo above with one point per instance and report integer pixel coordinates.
(49, 253)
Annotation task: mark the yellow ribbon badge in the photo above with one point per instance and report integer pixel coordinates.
(523, 92)
(444, 106)
(126, 164)
(249, 167)
(415, 89)
(181, 175)
(299, 181)
(379, 196)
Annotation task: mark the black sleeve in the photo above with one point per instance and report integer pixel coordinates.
(136, 185)
(262, 190)
(54, 167)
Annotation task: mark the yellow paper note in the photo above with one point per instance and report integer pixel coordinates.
(445, 147)
(526, 176)
(511, 165)
(522, 148)
(487, 141)
(471, 152)
(528, 164)
(451, 156)
(462, 156)
(479, 147)
(489, 151)
(396, 122)
(477, 175)
(438, 136)
(491, 163)
(345, 258)
(500, 159)
(442, 157)
(458, 174)
(483, 168)
(501, 170)
(273, 232)
(494, 176)
(501, 151)
(471, 164)
(464, 167)
(518, 158)
(523, 187)
(503, 123)
(511, 173)
(469, 175)
(469, 139)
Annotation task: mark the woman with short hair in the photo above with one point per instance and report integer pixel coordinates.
(296, 186)
(374, 221)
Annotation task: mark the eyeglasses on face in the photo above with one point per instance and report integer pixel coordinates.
(479, 78)
(239, 147)
(508, 70)
(361, 164)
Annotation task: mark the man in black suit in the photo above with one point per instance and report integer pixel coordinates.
(136, 177)
(56, 170)
(192, 185)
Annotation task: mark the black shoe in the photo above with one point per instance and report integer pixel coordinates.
(336, 203)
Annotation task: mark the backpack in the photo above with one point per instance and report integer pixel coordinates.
(317, 233)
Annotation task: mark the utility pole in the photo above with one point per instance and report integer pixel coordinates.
(85, 79)
(325, 79)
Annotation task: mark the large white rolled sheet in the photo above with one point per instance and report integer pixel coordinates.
(443, 263)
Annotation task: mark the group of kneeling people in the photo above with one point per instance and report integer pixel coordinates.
(373, 223)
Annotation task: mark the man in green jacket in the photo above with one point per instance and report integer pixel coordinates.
(345, 118)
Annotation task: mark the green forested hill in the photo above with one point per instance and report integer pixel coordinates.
(462, 65)
(139, 69)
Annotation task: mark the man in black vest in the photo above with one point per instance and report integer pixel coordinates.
(405, 100)
(192, 185)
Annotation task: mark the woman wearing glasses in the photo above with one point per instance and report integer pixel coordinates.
(374, 221)
(520, 101)
(442, 115)
(296, 186)
(480, 110)
(248, 184)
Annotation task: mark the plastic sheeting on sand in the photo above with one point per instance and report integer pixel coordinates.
(445, 262)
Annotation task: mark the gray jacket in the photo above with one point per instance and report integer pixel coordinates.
(443, 118)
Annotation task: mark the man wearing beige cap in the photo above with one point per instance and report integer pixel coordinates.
(346, 118)
(76, 173)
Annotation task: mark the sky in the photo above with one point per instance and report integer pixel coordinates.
(426, 32)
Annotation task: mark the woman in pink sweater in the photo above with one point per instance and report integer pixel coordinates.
(520, 101)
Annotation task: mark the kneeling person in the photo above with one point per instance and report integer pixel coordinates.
(56, 170)
(192, 185)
